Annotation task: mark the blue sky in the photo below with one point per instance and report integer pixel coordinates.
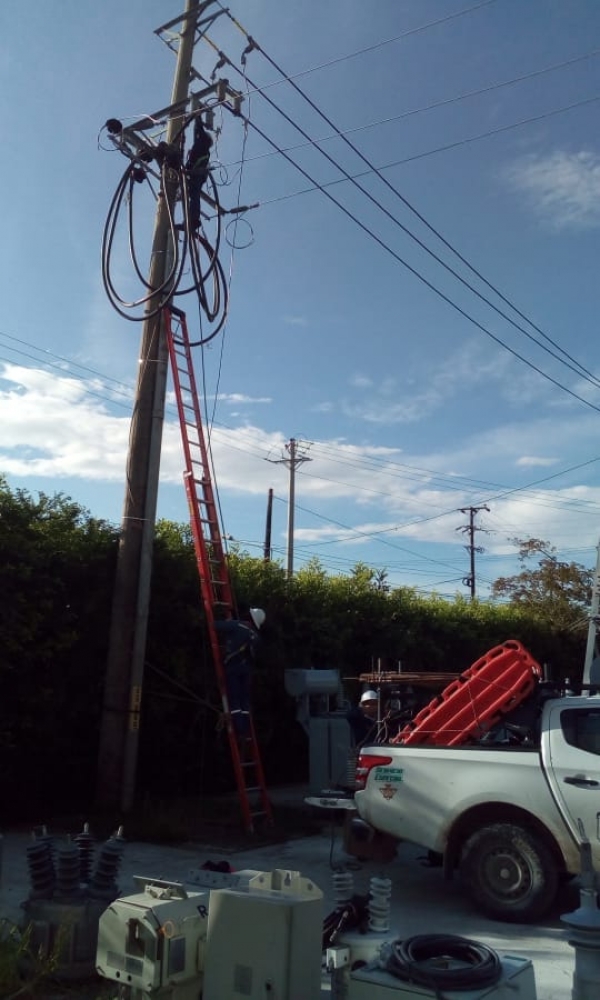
(412, 395)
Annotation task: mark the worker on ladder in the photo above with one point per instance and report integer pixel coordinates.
(238, 638)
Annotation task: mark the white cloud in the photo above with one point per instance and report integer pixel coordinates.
(468, 366)
(295, 320)
(535, 460)
(239, 397)
(563, 187)
(55, 426)
(58, 426)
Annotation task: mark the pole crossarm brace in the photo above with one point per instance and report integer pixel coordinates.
(226, 96)
(165, 29)
(172, 41)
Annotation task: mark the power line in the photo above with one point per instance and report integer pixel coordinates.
(431, 152)
(402, 470)
(434, 105)
(432, 229)
(230, 437)
(580, 371)
(368, 48)
(429, 284)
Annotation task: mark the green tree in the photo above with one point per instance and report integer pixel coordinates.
(559, 593)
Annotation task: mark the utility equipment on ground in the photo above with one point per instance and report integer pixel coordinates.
(257, 937)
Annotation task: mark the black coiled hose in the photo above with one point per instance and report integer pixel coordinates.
(421, 960)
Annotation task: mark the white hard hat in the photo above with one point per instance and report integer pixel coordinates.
(258, 616)
(369, 696)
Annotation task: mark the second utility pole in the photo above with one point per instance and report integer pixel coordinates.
(119, 728)
(291, 463)
(471, 528)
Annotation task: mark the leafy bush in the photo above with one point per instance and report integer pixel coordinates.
(57, 568)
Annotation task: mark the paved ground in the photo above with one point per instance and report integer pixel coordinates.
(422, 902)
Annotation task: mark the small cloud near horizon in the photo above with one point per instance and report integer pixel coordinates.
(535, 460)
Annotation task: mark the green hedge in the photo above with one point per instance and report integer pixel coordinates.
(57, 567)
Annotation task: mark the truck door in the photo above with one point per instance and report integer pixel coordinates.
(571, 751)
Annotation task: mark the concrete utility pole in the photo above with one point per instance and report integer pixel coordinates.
(590, 649)
(292, 462)
(267, 545)
(471, 528)
(119, 730)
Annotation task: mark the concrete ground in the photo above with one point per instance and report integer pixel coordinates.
(422, 902)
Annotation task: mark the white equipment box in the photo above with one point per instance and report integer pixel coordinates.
(266, 942)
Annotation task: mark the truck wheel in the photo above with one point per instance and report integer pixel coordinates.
(509, 872)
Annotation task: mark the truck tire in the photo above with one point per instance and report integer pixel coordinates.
(509, 872)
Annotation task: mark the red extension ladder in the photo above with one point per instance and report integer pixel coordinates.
(215, 584)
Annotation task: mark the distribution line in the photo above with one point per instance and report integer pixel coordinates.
(428, 152)
(368, 48)
(400, 470)
(376, 534)
(490, 88)
(425, 281)
(580, 368)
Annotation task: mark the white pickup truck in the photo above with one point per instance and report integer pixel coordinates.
(508, 812)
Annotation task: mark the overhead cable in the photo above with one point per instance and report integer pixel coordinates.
(425, 281)
(580, 370)
(445, 102)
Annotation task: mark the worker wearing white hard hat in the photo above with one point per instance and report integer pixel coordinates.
(258, 616)
(363, 718)
(368, 697)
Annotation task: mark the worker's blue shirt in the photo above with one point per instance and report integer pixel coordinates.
(238, 642)
(362, 726)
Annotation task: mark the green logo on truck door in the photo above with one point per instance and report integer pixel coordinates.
(392, 774)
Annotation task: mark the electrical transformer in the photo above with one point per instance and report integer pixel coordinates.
(153, 942)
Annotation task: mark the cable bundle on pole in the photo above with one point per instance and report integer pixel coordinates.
(191, 248)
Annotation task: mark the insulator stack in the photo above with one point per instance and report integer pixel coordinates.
(40, 861)
(104, 881)
(67, 871)
(343, 887)
(380, 891)
(46, 838)
(85, 847)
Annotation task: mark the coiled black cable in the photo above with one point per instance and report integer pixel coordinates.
(412, 960)
(125, 188)
(190, 245)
